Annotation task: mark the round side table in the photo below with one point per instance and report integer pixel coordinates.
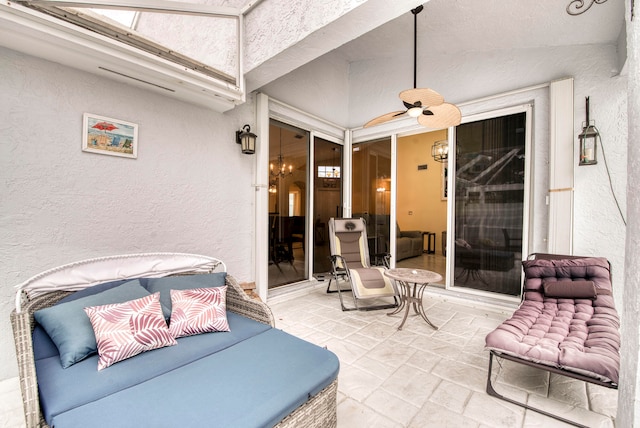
(413, 282)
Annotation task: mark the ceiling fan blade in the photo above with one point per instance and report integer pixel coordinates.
(384, 118)
(427, 97)
(444, 116)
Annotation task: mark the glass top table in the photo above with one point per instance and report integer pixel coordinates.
(412, 283)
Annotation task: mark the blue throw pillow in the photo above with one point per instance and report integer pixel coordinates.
(182, 282)
(69, 327)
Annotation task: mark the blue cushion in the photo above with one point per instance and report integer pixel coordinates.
(43, 346)
(69, 327)
(182, 282)
(254, 383)
(95, 289)
(63, 389)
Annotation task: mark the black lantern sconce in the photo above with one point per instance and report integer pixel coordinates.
(247, 140)
(588, 141)
(440, 151)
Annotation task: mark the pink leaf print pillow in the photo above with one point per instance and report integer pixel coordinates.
(199, 310)
(126, 329)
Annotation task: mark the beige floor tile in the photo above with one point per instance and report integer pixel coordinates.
(375, 367)
(391, 406)
(336, 329)
(357, 383)
(468, 376)
(362, 340)
(352, 414)
(391, 352)
(450, 395)
(527, 378)
(411, 384)
(603, 400)
(577, 414)
(567, 390)
(493, 412)
(437, 347)
(378, 330)
(348, 353)
(434, 415)
(425, 361)
(11, 411)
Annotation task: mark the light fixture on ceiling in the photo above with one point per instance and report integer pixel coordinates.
(425, 104)
(588, 141)
(440, 151)
(283, 169)
(247, 140)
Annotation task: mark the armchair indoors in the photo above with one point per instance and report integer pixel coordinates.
(408, 243)
(351, 264)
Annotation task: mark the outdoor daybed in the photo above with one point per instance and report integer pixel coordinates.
(244, 373)
(567, 323)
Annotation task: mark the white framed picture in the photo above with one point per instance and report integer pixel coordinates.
(109, 136)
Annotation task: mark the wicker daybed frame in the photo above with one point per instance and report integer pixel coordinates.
(38, 293)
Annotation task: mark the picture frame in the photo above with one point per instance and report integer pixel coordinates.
(109, 136)
(445, 181)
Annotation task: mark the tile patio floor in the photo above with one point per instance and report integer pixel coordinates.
(417, 377)
(420, 377)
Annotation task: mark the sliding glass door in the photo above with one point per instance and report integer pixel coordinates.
(490, 194)
(371, 191)
(305, 190)
(327, 201)
(288, 154)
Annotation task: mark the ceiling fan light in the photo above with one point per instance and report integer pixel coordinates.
(414, 111)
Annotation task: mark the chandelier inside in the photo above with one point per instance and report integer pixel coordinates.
(282, 170)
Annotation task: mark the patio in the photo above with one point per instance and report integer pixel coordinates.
(416, 377)
(421, 377)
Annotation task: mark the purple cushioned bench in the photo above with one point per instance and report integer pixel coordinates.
(566, 324)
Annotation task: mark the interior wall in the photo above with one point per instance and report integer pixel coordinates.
(189, 190)
(419, 203)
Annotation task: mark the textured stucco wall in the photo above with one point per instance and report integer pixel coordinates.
(275, 25)
(188, 191)
(210, 40)
(629, 401)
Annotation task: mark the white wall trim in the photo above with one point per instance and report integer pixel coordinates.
(561, 161)
(261, 249)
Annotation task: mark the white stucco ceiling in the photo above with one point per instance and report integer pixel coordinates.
(458, 26)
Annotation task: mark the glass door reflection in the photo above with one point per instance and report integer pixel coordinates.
(371, 191)
(327, 200)
(288, 154)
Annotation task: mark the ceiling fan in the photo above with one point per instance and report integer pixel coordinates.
(425, 104)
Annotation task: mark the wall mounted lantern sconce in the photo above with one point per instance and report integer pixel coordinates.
(588, 141)
(440, 150)
(247, 140)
